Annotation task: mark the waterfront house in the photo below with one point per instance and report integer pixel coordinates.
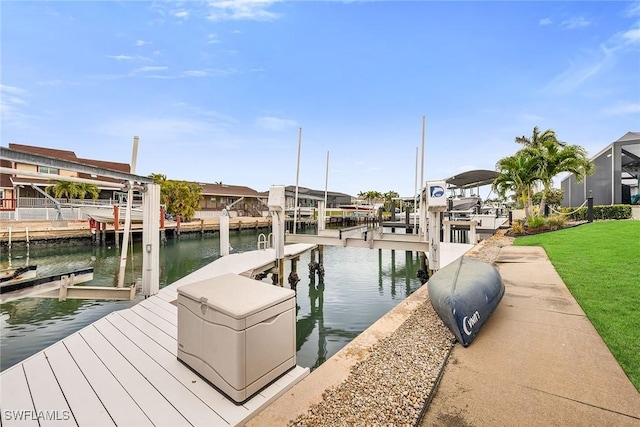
(24, 196)
(27, 192)
(308, 199)
(238, 199)
(616, 179)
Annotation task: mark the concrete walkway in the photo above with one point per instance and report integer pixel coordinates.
(537, 362)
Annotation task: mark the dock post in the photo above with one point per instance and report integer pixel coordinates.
(26, 232)
(9, 230)
(92, 227)
(313, 265)
(320, 263)
(163, 233)
(293, 276)
(423, 272)
(407, 229)
(103, 227)
(116, 225)
(224, 235)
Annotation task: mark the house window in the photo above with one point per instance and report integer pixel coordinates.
(47, 169)
(213, 200)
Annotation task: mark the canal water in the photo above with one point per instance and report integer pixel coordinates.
(360, 286)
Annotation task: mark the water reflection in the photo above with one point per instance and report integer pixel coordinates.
(359, 287)
(337, 310)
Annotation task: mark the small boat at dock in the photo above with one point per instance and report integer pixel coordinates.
(33, 285)
(464, 294)
(105, 214)
(14, 274)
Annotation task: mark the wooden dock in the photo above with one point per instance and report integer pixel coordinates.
(122, 370)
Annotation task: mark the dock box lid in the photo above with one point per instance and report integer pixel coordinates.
(234, 295)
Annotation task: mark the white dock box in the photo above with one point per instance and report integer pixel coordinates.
(237, 333)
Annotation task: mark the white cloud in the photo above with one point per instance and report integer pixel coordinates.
(12, 90)
(166, 131)
(623, 109)
(545, 21)
(182, 14)
(632, 36)
(150, 68)
(575, 22)
(275, 123)
(50, 83)
(12, 99)
(592, 63)
(633, 10)
(577, 74)
(142, 43)
(120, 57)
(235, 10)
(212, 39)
(195, 73)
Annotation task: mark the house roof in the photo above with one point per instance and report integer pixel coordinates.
(70, 156)
(63, 155)
(227, 190)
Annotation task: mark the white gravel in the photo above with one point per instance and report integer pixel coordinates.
(392, 385)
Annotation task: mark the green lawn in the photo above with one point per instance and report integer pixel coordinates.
(600, 264)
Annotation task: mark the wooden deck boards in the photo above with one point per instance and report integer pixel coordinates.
(122, 370)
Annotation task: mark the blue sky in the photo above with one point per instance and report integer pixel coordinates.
(217, 90)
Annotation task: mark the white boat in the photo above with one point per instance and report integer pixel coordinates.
(105, 214)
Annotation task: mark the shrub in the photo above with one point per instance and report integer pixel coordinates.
(602, 212)
(556, 221)
(535, 221)
(517, 227)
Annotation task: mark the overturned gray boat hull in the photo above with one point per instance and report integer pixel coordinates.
(464, 294)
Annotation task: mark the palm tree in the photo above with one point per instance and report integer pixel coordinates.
(556, 158)
(538, 140)
(517, 174)
(388, 196)
(370, 196)
(85, 189)
(73, 190)
(539, 161)
(64, 189)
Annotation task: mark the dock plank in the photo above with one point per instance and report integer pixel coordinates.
(16, 399)
(153, 403)
(115, 398)
(158, 310)
(87, 409)
(47, 396)
(162, 304)
(232, 413)
(196, 412)
(167, 296)
(170, 328)
(149, 329)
